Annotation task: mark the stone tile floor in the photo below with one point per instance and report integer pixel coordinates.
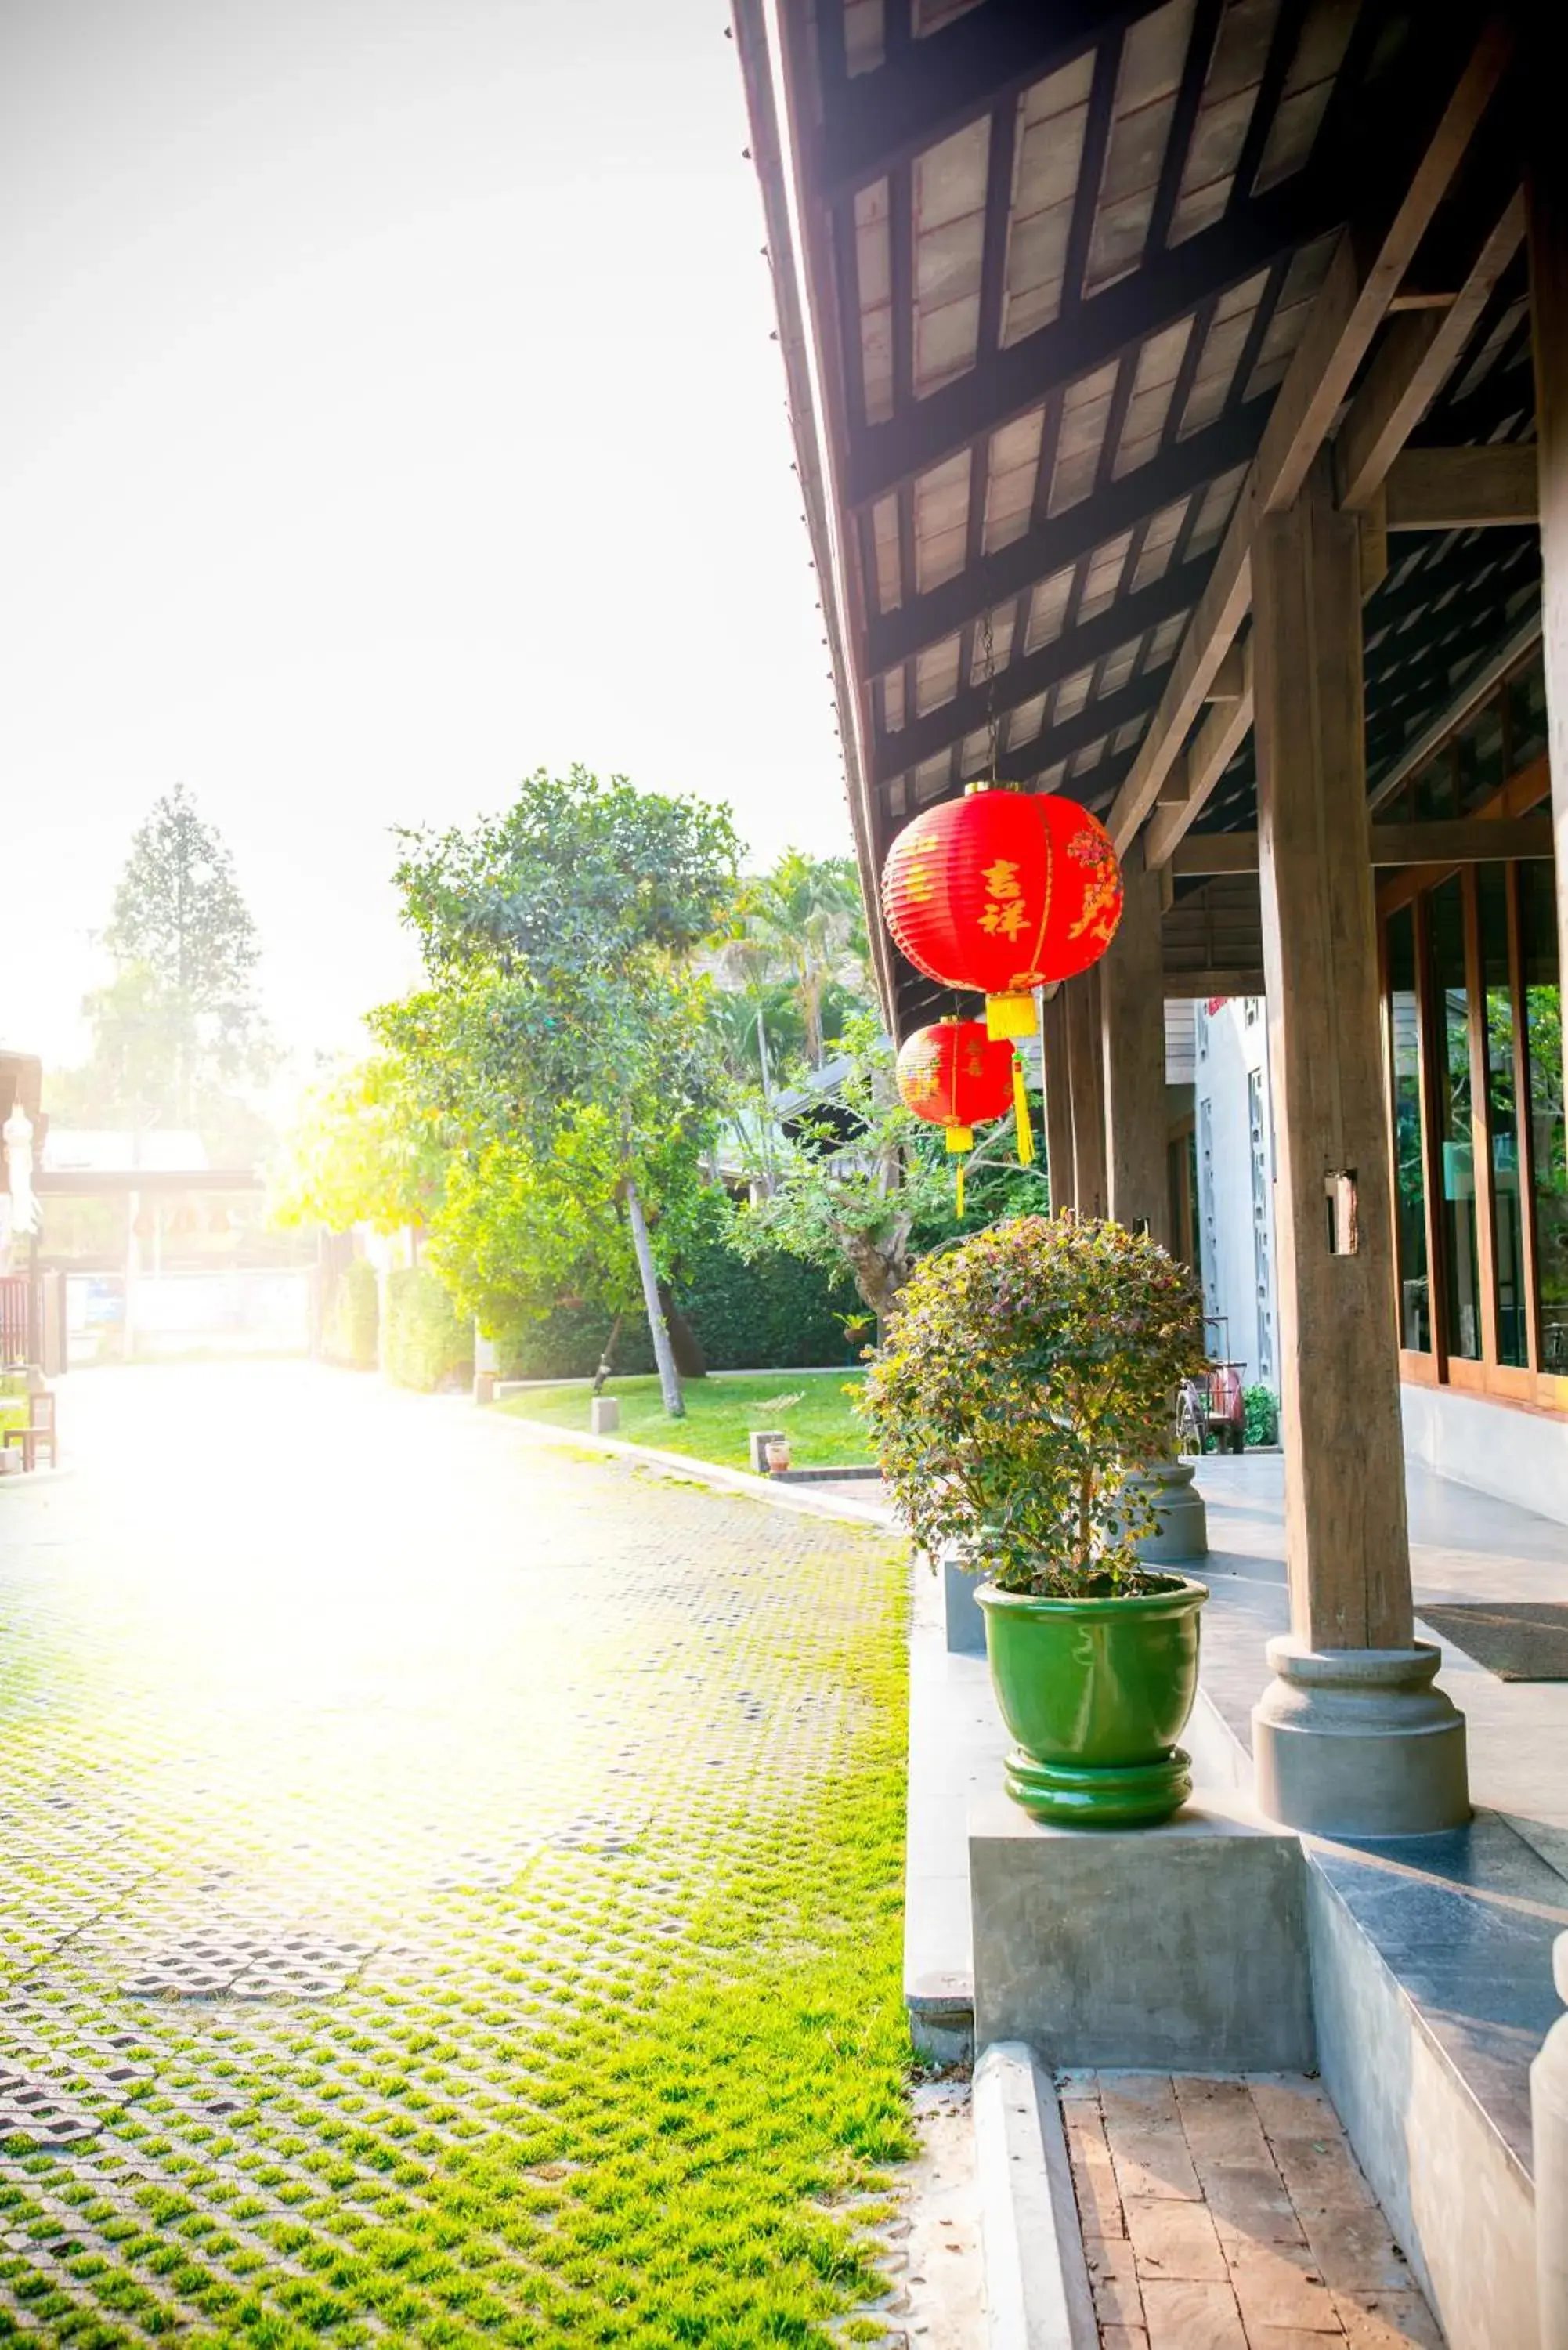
(1229, 2214)
(358, 1761)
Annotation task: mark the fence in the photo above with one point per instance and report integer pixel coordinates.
(14, 1318)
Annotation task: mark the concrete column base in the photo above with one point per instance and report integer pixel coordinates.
(1358, 1743)
(1549, 2123)
(1183, 1530)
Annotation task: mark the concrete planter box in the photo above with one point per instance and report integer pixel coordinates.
(965, 1623)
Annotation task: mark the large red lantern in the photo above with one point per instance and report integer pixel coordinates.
(1001, 893)
(958, 1077)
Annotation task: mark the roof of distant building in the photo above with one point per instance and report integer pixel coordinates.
(112, 1150)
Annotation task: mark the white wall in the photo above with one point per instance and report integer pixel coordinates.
(1236, 1209)
(1519, 1456)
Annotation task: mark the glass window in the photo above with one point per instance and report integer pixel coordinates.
(1461, 1269)
(1502, 1114)
(1549, 1140)
(1409, 1165)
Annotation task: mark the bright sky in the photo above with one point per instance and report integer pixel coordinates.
(388, 409)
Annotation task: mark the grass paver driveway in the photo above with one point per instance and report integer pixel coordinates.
(450, 1883)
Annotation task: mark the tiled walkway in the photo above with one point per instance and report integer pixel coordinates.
(370, 1780)
(1230, 2215)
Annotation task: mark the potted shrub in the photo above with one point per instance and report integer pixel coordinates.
(1029, 1371)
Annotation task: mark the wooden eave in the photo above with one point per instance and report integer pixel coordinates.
(1067, 297)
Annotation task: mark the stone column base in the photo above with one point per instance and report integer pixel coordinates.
(1183, 1530)
(1358, 1743)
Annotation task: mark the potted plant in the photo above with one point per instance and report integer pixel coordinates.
(1029, 1371)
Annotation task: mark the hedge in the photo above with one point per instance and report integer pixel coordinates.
(777, 1314)
(429, 1344)
(348, 1328)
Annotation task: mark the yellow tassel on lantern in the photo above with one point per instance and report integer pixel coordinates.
(1021, 1117)
(960, 1140)
(1009, 1015)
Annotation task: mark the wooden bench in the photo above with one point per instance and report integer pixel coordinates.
(40, 1429)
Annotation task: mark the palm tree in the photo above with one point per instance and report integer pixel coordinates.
(807, 919)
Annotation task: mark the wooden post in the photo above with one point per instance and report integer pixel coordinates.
(1351, 1738)
(1346, 1541)
(1546, 216)
(1087, 1086)
(1058, 1100)
(1132, 1032)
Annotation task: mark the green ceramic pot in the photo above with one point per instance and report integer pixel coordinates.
(1097, 1692)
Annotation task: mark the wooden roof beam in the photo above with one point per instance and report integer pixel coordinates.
(931, 86)
(1211, 984)
(1218, 740)
(1095, 720)
(1473, 841)
(1413, 362)
(975, 706)
(1168, 288)
(1463, 489)
(1368, 267)
(1179, 472)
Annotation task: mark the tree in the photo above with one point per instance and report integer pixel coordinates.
(803, 922)
(565, 1024)
(364, 1150)
(861, 1183)
(175, 1031)
(179, 918)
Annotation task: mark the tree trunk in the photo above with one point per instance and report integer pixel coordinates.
(607, 1357)
(668, 1378)
(879, 1273)
(684, 1344)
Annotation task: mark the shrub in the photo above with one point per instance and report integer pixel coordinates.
(1262, 1407)
(429, 1344)
(778, 1312)
(349, 1334)
(1028, 1371)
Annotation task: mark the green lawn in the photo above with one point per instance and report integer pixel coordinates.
(812, 1408)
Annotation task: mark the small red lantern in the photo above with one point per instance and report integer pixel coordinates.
(958, 1077)
(1002, 892)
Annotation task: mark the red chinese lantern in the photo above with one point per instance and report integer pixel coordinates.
(1002, 892)
(958, 1077)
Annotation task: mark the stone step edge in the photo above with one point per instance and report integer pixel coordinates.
(707, 1473)
(1037, 2289)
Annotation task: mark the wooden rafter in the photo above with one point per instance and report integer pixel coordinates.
(1050, 546)
(1367, 269)
(1168, 287)
(1027, 674)
(1105, 716)
(931, 87)
(1413, 362)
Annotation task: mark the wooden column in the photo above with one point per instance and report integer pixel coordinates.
(1058, 1100)
(1086, 1086)
(1547, 221)
(1346, 1543)
(1132, 1037)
